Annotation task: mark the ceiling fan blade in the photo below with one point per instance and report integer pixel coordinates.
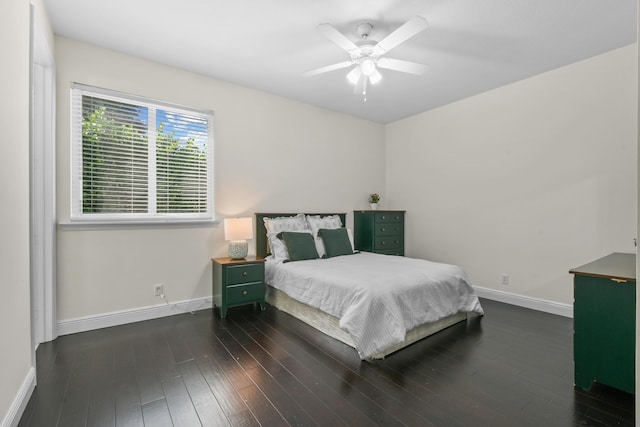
(328, 68)
(403, 66)
(337, 37)
(407, 30)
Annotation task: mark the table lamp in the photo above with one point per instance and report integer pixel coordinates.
(237, 231)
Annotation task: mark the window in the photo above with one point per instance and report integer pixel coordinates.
(139, 160)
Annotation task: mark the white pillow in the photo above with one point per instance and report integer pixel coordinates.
(285, 223)
(279, 248)
(320, 246)
(316, 222)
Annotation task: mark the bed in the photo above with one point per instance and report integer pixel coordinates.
(374, 303)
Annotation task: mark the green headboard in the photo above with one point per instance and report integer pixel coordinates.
(262, 248)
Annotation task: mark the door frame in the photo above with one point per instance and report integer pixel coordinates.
(42, 187)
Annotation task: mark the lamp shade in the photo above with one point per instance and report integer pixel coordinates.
(238, 228)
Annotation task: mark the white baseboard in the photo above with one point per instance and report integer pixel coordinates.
(20, 402)
(105, 320)
(552, 307)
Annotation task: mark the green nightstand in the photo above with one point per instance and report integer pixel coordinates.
(237, 282)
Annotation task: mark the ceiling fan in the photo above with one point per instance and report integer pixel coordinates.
(367, 55)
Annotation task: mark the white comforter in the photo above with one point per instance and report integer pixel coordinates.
(378, 298)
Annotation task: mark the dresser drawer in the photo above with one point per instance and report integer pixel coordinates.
(241, 294)
(384, 243)
(387, 217)
(396, 251)
(389, 229)
(245, 273)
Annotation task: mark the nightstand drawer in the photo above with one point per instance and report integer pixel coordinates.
(239, 294)
(245, 273)
(389, 242)
(389, 229)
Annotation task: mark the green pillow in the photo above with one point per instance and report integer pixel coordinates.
(336, 242)
(300, 246)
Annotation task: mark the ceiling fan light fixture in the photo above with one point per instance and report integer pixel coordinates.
(354, 75)
(366, 54)
(368, 67)
(375, 77)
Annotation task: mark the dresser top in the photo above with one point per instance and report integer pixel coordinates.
(378, 210)
(615, 266)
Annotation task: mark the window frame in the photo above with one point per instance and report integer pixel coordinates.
(78, 217)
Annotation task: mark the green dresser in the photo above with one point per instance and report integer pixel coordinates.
(379, 231)
(604, 322)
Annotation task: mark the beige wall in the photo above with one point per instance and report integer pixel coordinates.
(271, 154)
(528, 180)
(15, 329)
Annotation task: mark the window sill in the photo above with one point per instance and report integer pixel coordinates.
(134, 225)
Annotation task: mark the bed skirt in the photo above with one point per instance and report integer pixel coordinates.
(329, 324)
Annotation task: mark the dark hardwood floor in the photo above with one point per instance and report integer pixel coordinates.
(512, 367)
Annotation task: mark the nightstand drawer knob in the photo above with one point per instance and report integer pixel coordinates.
(244, 274)
(244, 293)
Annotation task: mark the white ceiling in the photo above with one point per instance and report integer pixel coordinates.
(471, 46)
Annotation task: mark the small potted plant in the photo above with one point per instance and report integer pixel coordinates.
(374, 199)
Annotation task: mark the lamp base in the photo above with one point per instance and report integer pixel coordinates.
(238, 249)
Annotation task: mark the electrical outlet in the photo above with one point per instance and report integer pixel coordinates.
(505, 279)
(157, 290)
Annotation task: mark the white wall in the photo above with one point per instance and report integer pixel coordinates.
(529, 180)
(42, 18)
(15, 329)
(271, 154)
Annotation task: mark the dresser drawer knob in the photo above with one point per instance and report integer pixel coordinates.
(244, 274)
(383, 217)
(383, 243)
(244, 293)
(397, 241)
(383, 229)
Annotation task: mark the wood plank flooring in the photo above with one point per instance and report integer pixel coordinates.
(512, 367)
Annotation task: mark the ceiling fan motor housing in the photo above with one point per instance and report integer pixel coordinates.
(364, 29)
